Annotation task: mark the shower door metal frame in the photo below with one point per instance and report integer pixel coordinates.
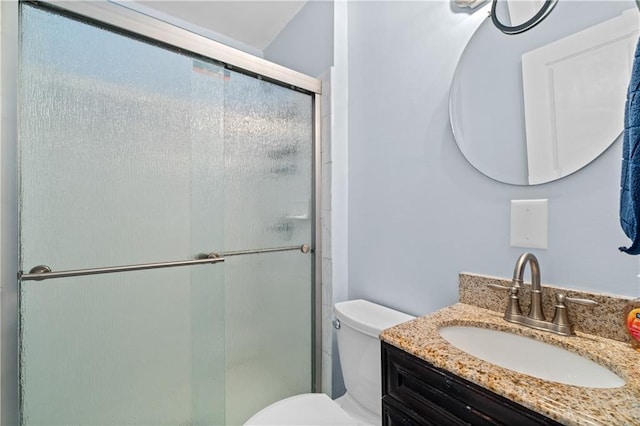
(120, 17)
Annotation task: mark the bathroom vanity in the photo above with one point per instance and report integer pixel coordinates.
(416, 392)
(427, 380)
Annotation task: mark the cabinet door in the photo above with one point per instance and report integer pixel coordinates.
(413, 386)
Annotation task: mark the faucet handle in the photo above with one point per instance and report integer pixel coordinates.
(498, 287)
(513, 307)
(560, 318)
(586, 302)
(504, 287)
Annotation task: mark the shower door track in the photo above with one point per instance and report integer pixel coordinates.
(43, 272)
(119, 16)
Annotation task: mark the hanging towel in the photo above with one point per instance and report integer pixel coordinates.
(630, 177)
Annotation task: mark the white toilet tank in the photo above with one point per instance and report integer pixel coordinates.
(361, 322)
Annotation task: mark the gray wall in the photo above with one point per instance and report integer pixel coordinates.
(306, 43)
(418, 212)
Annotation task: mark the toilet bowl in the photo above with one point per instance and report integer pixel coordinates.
(359, 323)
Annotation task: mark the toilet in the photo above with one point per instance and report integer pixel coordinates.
(358, 324)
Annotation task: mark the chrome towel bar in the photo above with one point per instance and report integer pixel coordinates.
(43, 272)
(305, 248)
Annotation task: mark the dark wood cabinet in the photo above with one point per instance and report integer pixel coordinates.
(415, 392)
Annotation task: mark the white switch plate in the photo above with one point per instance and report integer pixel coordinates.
(529, 223)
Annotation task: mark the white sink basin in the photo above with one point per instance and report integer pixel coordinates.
(529, 356)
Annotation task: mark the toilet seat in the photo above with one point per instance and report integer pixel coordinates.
(306, 409)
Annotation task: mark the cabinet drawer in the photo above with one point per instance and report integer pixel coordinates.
(420, 387)
(394, 413)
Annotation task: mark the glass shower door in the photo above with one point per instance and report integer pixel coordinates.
(121, 158)
(268, 181)
(134, 153)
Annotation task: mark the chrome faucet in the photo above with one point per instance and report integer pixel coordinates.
(535, 310)
(535, 318)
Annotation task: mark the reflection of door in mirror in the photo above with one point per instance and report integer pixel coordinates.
(577, 85)
(573, 96)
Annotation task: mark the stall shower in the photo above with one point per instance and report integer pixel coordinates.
(167, 230)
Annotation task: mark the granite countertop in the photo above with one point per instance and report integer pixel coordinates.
(570, 405)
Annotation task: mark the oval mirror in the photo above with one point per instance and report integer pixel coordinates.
(515, 17)
(534, 108)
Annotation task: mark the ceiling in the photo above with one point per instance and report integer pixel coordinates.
(253, 22)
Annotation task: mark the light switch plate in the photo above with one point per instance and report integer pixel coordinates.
(529, 223)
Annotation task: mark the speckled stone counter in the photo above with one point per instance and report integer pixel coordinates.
(570, 405)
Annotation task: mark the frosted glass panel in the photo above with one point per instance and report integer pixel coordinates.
(268, 158)
(121, 163)
(112, 132)
(117, 349)
(269, 343)
(133, 153)
(268, 152)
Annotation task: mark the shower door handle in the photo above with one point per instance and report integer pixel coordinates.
(43, 272)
